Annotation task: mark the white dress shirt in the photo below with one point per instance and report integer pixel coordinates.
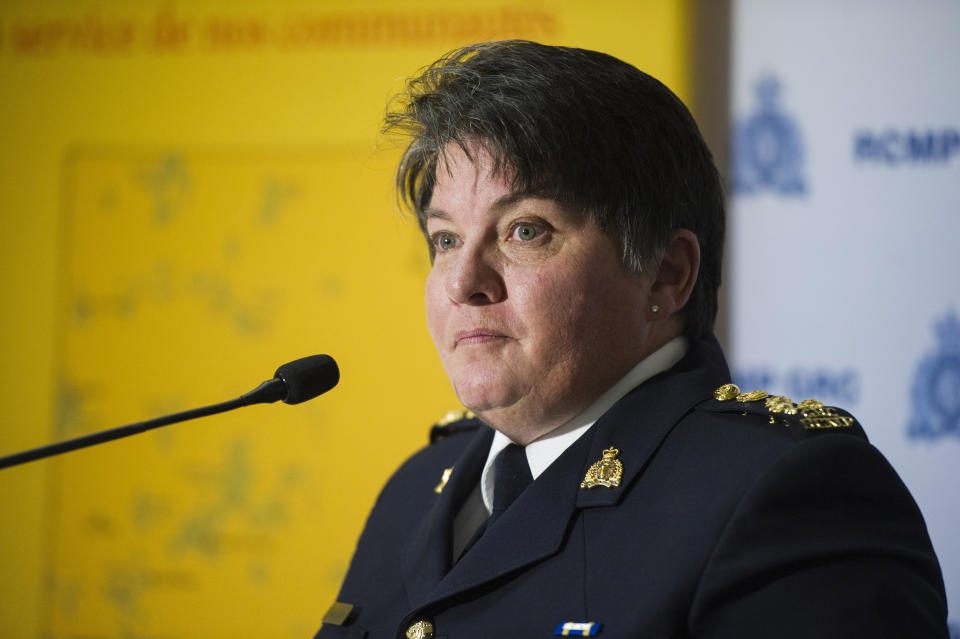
(544, 451)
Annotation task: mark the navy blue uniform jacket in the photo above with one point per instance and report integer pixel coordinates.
(724, 525)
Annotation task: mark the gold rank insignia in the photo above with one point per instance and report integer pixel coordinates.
(443, 480)
(726, 392)
(781, 404)
(809, 405)
(455, 416)
(753, 396)
(607, 472)
(814, 415)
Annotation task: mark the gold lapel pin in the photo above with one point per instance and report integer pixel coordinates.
(443, 480)
(607, 472)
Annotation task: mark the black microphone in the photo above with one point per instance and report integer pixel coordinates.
(294, 382)
(297, 381)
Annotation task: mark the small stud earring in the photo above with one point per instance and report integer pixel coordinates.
(655, 308)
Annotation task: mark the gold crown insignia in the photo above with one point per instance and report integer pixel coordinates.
(607, 472)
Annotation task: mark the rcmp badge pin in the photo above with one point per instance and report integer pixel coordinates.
(607, 472)
(936, 386)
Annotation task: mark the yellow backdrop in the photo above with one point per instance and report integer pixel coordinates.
(193, 193)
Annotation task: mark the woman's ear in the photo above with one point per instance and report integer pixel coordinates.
(676, 275)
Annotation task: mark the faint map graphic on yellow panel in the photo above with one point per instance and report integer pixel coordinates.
(187, 277)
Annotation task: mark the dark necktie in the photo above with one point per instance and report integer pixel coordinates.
(511, 477)
(511, 474)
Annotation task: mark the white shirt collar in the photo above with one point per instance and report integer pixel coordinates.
(544, 451)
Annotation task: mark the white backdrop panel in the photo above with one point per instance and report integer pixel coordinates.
(844, 242)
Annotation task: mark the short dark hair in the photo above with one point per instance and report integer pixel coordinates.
(582, 128)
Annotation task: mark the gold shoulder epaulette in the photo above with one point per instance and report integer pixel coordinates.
(455, 421)
(454, 416)
(810, 414)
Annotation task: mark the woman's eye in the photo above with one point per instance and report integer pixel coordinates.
(444, 241)
(526, 232)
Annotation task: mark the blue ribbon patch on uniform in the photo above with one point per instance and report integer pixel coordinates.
(577, 629)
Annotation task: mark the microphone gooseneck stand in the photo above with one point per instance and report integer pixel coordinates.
(294, 382)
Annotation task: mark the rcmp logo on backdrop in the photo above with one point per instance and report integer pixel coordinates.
(918, 146)
(936, 386)
(768, 153)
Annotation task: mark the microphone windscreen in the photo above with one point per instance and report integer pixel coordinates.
(307, 377)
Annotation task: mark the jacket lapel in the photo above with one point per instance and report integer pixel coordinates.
(532, 528)
(638, 423)
(426, 558)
